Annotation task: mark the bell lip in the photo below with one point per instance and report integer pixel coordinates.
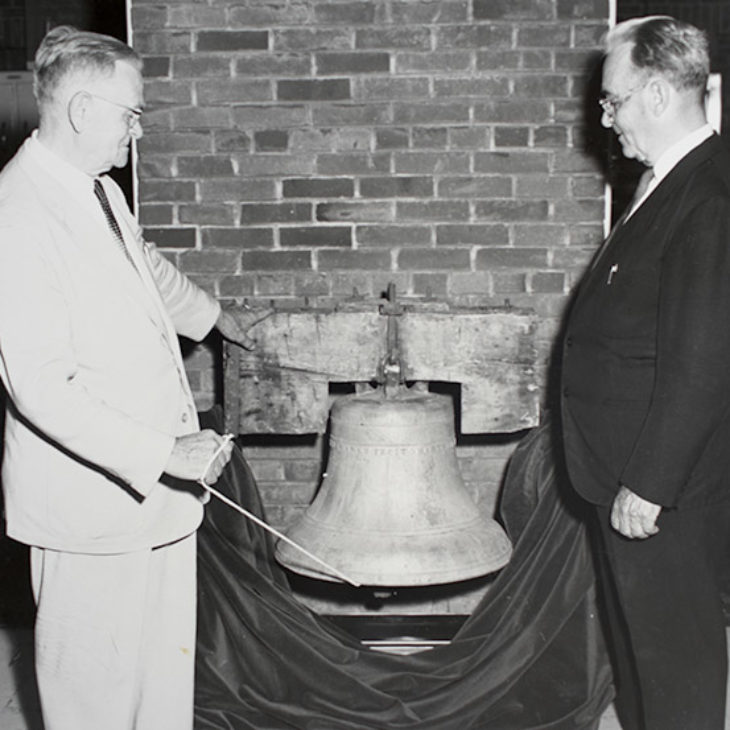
(367, 579)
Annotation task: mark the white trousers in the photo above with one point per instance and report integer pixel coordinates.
(115, 638)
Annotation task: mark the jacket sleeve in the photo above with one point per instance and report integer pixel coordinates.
(691, 393)
(193, 311)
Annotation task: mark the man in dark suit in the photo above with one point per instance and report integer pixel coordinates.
(646, 382)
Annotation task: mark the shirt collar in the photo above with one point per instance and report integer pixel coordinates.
(677, 151)
(74, 180)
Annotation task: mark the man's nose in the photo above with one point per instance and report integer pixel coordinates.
(136, 130)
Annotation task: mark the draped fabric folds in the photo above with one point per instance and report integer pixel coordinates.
(530, 657)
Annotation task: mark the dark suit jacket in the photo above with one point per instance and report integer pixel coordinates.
(646, 356)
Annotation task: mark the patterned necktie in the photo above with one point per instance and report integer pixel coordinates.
(110, 219)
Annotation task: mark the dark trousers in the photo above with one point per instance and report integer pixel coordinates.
(665, 619)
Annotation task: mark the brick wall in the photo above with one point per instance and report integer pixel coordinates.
(304, 150)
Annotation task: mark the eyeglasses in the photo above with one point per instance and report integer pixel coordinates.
(133, 113)
(611, 104)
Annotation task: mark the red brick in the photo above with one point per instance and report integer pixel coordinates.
(480, 87)
(271, 140)
(330, 259)
(157, 43)
(211, 214)
(392, 138)
(392, 235)
(386, 87)
(508, 282)
(210, 261)
(188, 15)
(511, 136)
(172, 191)
(514, 258)
(272, 64)
(501, 60)
(420, 259)
(355, 211)
(269, 15)
(513, 9)
(355, 13)
(205, 166)
(156, 66)
(511, 210)
(313, 90)
(179, 142)
(311, 39)
(222, 91)
(155, 215)
(356, 62)
(583, 9)
(512, 162)
(541, 86)
(431, 285)
(252, 213)
(232, 40)
(316, 236)
(547, 282)
(541, 186)
(231, 140)
(275, 260)
(412, 37)
(189, 118)
(444, 61)
(536, 234)
(241, 237)
(476, 233)
(397, 186)
(337, 115)
(317, 188)
(171, 237)
(236, 190)
(430, 137)
(584, 211)
(444, 11)
(201, 65)
(276, 116)
(436, 210)
(492, 186)
(426, 163)
(513, 111)
(236, 286)
(356, 163)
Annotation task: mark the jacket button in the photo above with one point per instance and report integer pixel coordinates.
(569, 341)
(184, 417)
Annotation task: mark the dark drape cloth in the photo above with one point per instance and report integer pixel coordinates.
(530, 657)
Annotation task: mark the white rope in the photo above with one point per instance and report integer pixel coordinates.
(228, 437)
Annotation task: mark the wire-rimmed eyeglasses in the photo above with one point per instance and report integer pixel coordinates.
(610, 104)
(134, 114)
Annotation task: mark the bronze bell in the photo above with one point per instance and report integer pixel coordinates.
(392, 509)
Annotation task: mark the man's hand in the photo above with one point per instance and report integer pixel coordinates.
(633, 516)
(192, 453)
(235, 327)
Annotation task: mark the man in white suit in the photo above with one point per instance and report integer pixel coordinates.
(99, 406)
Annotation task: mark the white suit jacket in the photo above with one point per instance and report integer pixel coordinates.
(90, 358)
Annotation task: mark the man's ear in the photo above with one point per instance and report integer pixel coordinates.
(660, 93)
(78, 111)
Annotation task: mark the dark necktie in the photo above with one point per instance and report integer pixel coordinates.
(110, 219)
(643, 185)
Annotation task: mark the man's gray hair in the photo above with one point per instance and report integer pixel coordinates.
(666, 46)
(65, 50)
